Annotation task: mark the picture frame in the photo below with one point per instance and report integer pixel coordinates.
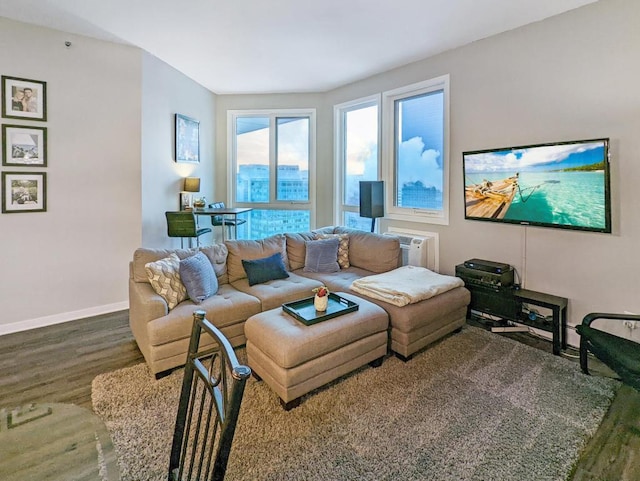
(187, 139)
(24, 146)
(24, 192)
(24, 98)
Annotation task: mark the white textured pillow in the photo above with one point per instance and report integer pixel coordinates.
(164, 277)
(343, 248)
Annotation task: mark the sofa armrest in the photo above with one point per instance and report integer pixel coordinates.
(144, 303)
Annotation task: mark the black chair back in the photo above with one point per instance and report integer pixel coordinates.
(181, 224)
(212, 391)
(216, 219)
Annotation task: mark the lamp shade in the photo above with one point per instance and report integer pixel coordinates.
(372, 199)
(192, 184)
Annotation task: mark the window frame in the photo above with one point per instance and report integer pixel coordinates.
(388, 128)
(273, 204)
(339, 115)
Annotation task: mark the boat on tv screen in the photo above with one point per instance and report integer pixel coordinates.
(557, 185)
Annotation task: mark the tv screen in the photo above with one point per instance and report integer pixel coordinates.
(563, 184)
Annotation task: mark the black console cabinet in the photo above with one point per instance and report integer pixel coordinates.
(507, 303)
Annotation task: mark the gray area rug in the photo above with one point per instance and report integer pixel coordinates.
(475, 406)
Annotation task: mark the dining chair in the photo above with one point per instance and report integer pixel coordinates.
(212, 390)
(183, 224)
(219, 220)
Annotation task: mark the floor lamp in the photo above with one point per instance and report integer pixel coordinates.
(372, 200)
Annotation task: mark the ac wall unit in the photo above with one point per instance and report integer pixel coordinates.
(418, 249)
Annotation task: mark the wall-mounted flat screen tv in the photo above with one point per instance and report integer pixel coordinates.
(563, 184)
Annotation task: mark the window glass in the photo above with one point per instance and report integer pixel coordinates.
(357, 156)
(354, 221)
(360, 151)
(415, 125)
(252, 159)
(263, 223)
(272, 157)
(419, 151)
(292, 152)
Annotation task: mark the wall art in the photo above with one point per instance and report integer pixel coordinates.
(24, 192)
(24, 146)
(24, 98)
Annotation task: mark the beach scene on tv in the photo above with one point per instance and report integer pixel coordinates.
(561, 184)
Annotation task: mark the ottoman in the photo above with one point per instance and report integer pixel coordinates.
(415, 326)
(294, 359)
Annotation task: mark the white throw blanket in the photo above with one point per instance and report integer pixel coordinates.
(405, 285)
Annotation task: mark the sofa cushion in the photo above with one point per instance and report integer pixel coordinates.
(252, 249)
(343, 248)
(274, 293)
(296, 248)
(264, 270)
(164, 276)
(142, 256)
(336, 281)
(225, 308)
(322, 255)
(374, 252)
(217, 255)
(198, 277)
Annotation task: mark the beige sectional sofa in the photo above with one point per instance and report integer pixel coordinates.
(163, 334)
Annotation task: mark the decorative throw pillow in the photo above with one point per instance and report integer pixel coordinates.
(198, 277)
(322, 255)
(343, 248)
(164, 276)
(265, 269)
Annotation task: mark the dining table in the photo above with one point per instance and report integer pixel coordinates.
(224, 212)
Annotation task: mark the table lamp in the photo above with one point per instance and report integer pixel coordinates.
(191, 184)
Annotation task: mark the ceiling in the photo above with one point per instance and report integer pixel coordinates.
(271, 46)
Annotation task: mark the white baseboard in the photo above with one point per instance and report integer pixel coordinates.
(62, 317)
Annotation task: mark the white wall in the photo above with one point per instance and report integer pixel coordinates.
(111, 173)
(70, 261)
(574, 76)
(165, 92)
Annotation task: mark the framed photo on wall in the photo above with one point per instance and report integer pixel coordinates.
(24, 192)
(24, 98)
(24, 146)
(187, 139)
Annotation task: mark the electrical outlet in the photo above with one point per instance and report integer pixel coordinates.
(631, 325)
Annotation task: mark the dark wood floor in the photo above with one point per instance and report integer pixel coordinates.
(58, 363)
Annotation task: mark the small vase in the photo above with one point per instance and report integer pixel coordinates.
(320, 303)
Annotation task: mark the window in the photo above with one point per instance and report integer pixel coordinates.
(356, 157)
(416, 143)
(272, 158)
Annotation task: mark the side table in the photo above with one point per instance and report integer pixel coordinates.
(558, 306)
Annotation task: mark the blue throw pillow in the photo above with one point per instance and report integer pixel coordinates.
(198, 277)
(265, 269)
(322, 255)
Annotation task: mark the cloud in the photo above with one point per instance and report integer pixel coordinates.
(415, 163)
(515, 159)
